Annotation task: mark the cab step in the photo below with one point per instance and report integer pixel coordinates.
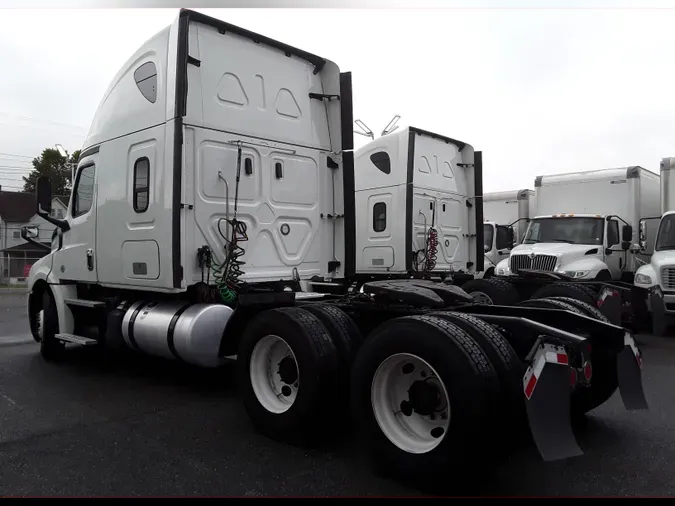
(72, 338)
(85, 303)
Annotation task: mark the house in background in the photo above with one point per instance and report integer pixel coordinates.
(18, 209)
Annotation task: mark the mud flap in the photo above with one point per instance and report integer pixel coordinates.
(610, 302)
(547, 393)
(629, 375)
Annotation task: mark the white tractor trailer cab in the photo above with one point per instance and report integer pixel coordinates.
(217, 181)
(658, 276)
(416, 206)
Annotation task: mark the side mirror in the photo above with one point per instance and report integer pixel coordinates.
(643, 235)
(44, 195)
(627, 233)
(29, 231)
(510, 237)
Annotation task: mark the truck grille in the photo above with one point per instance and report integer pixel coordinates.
(668, 278)
(539, 262)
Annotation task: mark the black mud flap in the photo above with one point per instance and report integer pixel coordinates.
(547, 393)
(610, 303)
(658, 312)
(629, 373)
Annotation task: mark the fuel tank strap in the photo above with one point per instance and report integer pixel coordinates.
(172, 326)
(132, 339)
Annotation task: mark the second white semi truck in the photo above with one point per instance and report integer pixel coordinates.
(217, 181)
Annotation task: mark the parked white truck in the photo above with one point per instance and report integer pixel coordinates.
(585, 229)
(415, 204)
(502, 210)
(658, 276)
(215, 183)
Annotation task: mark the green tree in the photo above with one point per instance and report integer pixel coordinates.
(51, 164)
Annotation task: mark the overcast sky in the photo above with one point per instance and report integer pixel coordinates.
(538, 91)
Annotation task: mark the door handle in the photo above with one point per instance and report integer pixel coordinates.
(90, 259)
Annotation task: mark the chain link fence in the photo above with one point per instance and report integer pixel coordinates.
(14, 268)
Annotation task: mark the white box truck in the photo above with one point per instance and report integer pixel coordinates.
(582, 244)
(501, 211)
(658, 276)
(216, 179)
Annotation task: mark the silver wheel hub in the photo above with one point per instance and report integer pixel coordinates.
(410, 403)
(274, 374)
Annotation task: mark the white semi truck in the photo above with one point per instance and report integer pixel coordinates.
(216, 182)
(415, 206)
(502, 210)
(658, 276)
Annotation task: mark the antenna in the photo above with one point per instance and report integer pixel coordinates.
(366, 132)
(390, 126)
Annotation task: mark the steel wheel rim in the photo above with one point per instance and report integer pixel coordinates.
(273, 393)
(414, 433)
(482, 298)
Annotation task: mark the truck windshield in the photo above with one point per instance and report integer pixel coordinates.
(488, 235)
(569, 230)
(666, 237)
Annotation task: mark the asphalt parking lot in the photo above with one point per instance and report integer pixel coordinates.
(91, 426)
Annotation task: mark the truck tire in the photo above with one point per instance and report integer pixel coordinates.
(287, 372)
(429, 441)
(51, 349)
(492, 291)
(509, 368)
(345, 336)
(552, 304)
(587, 309)
(564, 290)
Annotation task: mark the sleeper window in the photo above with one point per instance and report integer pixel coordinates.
(380, 217)
(382, 161)
(84, 191)
(141, 184)
(146, 80)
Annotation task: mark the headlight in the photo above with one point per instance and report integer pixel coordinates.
(643, 279)
(576, 274)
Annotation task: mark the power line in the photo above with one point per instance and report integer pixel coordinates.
(48, 122)
(18, 156)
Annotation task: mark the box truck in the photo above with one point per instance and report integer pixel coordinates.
(658, 276)
(204, 205)
(506, 216)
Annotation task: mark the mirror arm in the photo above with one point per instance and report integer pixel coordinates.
(24, 235)
(618, 218)
(62, 224)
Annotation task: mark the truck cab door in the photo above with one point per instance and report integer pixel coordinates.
(614, 255)
(76, 258)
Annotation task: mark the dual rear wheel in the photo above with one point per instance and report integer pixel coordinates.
(431, 394)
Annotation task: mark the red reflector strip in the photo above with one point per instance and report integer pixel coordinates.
(573, 377)
(562, 358)
(588, 371)
(530, 386)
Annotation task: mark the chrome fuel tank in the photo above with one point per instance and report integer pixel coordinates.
(177, 330)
